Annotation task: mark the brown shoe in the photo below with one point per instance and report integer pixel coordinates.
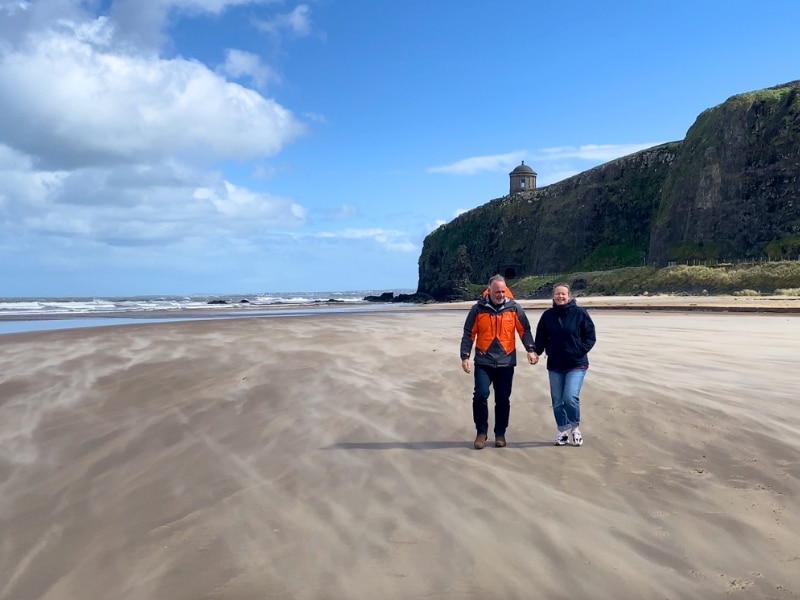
(500, 441)
(480, 441)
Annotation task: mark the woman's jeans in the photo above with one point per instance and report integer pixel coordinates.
(565, 391)
(500, 378)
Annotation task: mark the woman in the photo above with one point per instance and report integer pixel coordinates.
(566, 333)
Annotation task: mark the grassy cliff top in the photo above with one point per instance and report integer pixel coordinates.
(751, 279)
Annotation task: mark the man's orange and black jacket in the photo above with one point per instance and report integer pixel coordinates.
(492, 329)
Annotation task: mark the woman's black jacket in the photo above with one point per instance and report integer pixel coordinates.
(566, 333)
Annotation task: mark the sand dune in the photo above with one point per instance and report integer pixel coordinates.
(331, 457)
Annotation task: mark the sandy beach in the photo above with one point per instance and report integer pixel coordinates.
(330, 457)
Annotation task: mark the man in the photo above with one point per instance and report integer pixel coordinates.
(490, 325)
(566, 332)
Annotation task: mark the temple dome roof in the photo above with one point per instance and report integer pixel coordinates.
(522, 169)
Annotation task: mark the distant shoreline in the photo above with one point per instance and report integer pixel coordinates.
(781, 304)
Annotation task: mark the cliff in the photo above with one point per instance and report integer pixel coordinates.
(728, 190)
(733, 190)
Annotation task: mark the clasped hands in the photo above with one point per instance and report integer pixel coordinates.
(533, 358)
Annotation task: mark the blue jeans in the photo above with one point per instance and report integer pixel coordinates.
(565, 391)
(500, 378)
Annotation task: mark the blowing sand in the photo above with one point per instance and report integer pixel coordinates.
(330, 457)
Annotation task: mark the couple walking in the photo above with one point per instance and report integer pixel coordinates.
(565, 332)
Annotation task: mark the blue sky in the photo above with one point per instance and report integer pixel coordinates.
(246, 146)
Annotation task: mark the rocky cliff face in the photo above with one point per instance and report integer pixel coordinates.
(729, 190)
(734, 185)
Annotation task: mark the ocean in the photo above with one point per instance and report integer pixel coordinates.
(37, 314)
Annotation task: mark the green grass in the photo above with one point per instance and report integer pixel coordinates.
(767, 278)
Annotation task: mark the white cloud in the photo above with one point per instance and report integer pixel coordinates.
(239, 63)
(105, 145)
(76, 103)
(138, 23)
(14, 6)
(315, 117)
(20, 18)
(10, 159)
(164, 204)
(207, 6)
(264, 172)
(592, 152)
(345, 211)
(558, 163)
(480, 164)
(142, 22)
(597, 153)
(246, 206)
(396, 241)
(297, 22)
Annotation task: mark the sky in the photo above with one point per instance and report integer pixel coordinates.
(180, 147)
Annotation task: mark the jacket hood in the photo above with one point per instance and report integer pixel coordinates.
(508, 293)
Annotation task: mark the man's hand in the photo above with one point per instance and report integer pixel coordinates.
(465, 365)
(533, 358)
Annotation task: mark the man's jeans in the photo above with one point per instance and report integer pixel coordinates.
(500, 378)
(565, 391)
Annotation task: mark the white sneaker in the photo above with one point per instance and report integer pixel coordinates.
(562, 438)
(577, 438)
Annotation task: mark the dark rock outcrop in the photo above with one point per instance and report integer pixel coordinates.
(390, 297)
(384, 297)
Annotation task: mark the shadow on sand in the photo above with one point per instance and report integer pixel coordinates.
(429, 445)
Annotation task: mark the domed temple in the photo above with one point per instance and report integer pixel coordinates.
(523, 179)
